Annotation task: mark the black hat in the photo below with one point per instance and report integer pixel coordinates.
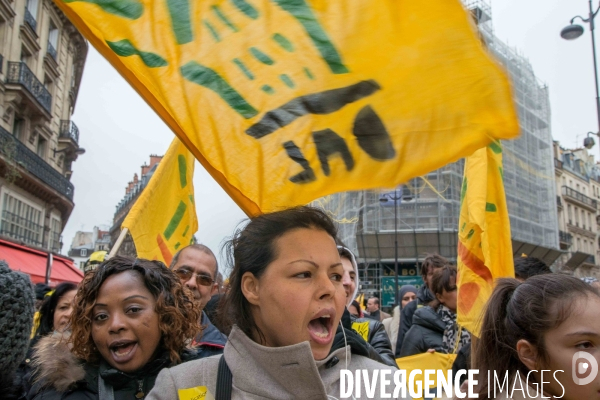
(40, 290)
(16, 317)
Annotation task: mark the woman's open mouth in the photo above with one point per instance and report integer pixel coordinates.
(321, 326)
(122, 351)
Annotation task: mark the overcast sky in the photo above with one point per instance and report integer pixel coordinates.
(119, 131)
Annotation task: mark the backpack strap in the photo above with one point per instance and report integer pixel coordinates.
(224, 381)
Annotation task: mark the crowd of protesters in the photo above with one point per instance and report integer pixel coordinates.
(284, 325)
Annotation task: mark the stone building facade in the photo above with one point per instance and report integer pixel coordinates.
(42, 57)
(578, 193)
(132, 192)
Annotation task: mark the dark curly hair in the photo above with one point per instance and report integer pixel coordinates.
(179, 316)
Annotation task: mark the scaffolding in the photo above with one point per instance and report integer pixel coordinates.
(429, 208)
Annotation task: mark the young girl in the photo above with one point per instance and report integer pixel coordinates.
(286, 299)
(131, 319)
(548, 322)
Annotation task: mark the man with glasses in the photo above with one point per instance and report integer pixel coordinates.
(197, 268)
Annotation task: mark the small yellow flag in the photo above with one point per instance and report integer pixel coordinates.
(286, 101)
(163, 219)
(484, 247)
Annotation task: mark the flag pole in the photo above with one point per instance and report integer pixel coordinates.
(118, 244)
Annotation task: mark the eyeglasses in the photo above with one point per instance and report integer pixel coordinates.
(201, 279)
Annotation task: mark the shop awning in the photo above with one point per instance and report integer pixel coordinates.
(33, 262)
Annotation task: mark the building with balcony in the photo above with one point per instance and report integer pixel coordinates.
(578, 193)
(428, 207)
(132, 192)
(42, 57)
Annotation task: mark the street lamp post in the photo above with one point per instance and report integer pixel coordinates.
(572, 32)
(384, 199)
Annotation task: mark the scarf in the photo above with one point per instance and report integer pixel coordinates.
(451, 331)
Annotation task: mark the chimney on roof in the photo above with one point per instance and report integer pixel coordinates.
(154, 159)
(135, 178)
(145, 169)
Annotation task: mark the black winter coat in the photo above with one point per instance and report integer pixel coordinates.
(424, 297)
(377, 338)
(426, 333)
(61, 376)
(359, 329)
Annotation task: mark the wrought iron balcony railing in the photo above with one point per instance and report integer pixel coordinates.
(20, 228)
(30, 19)
(1, 62)
(19, 73)
(51, 50)
(68, 130)
(580, 197)
(590, 260)
(565, 237)
(35, 164)
(54, 242)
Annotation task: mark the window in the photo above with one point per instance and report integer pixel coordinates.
(32, 7)
(53, 40)
(578, 244)
(54, 240)
(576, 216)
(41, 147)
(83, 252)
(590, 221)
(570, 214)
(583, 218)
(21, 221)
(18, 127)
(48, 84)
(585, 246)
(26, 57)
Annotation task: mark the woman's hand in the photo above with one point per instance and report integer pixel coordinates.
(431, 351)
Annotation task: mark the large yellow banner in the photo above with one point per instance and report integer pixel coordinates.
(163, 219)
(484, 246)
(285, 101)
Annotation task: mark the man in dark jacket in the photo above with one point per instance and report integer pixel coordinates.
(211, 341)
(424, 297)
(197, 268)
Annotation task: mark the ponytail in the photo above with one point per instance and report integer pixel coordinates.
(494, 329)
(526, 311)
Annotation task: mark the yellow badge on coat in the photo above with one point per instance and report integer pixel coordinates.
(362, 328)
(195, 393)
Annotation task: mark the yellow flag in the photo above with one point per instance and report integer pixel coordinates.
(163, 219)
(285, 101)
(484, 246)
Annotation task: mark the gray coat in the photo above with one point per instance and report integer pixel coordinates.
(261, 372)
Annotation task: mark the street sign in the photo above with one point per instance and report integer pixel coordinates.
(387, 287)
